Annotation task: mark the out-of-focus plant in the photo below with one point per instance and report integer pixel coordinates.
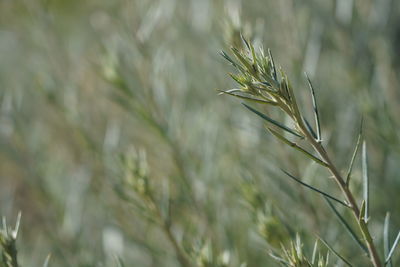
(261, 82)
(136, 181)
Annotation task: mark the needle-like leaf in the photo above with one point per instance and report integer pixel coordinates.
(335, 252)
(346, 225)
(242, 59)
(297, 147)
(46, 261)
(278, 124)
(365, 181)
(228, 58)
(315, 189)
(273, 66)
(249, 47)
(314, 254)
(395, 243)
(354, 155)
(310, 129)
(279, 259)
(315, 108)
(245, 41)
(234, 93)
(386, 240)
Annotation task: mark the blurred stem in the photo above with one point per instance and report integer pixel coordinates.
(374, 257)
(166, 227)
(176, 151)
(183, 260)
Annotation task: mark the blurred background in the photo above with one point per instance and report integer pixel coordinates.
(84, 82)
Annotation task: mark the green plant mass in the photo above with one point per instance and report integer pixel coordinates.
(128, 139)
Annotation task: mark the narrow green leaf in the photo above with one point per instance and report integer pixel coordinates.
(263, 83)
(314, 254)
(354, 155)
(245, 41)
(46, 261)
(316, 190)
(228, 58)
(310, 129)
(365, 180)
(269, 90)
(14, 233)
(278, 124)
(295, 146)
(292, 97)
(233, 93)
(236, 78)
(386, 239)
(315, 108)
(279, 259)
(327, 258)
(363, 225)
(253, 53)
(395, 243)
(335, 252)
(274, 74)
(284, 88)
(250, 47)
(242, 59)
(347, 226)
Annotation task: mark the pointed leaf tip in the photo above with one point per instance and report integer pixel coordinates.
(386, 239)
(395, 243)
(315, 108)
(358, 143)
(315, 189)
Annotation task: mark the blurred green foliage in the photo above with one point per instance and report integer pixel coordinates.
(84, 82)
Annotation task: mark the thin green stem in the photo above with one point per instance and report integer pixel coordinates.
(374, 256)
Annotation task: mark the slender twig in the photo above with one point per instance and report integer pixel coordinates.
(374, 256)
(281, 93)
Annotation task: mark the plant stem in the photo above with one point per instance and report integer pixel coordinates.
(179, 253)
(374, 257)
(166, 227)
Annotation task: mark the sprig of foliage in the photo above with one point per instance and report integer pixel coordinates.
(8, 238)
(260, 83)
(294, 256)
